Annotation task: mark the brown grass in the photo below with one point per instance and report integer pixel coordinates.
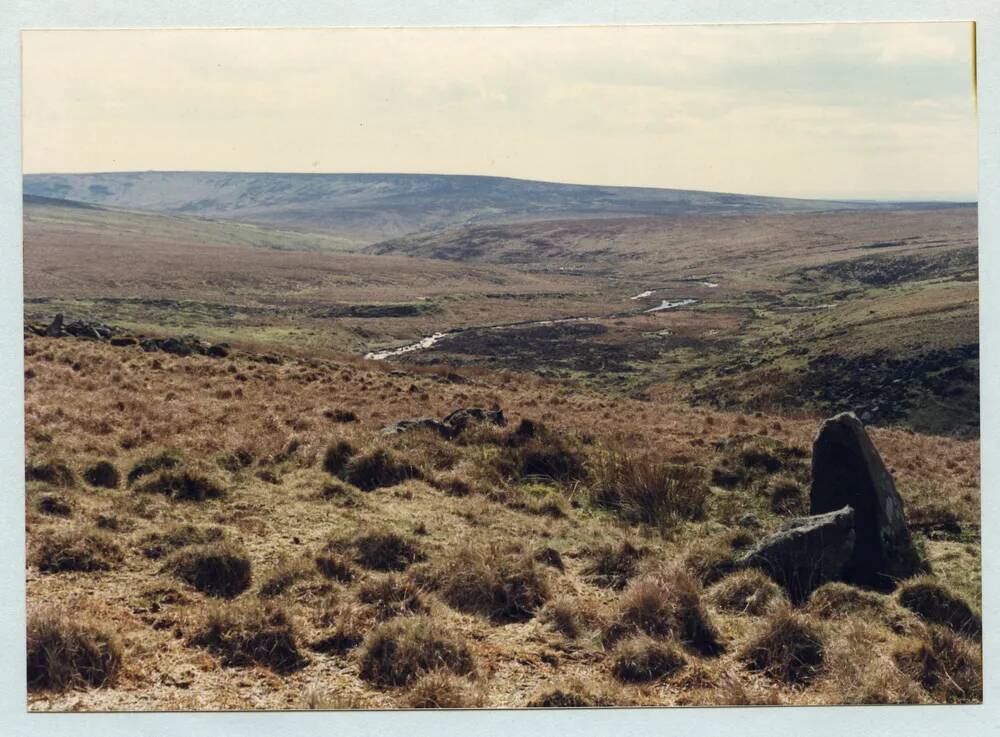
(788, 648)
(401, 650)
(443, 690)
(948, 666)
(218, 569)
(931, 601)
(642, 660)
(66, 651)
(248, 633)
(643, 488)
(76, 549)
(749, 592)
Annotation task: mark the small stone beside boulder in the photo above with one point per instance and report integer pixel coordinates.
(806, 552)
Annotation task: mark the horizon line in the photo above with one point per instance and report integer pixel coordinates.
(910, 199)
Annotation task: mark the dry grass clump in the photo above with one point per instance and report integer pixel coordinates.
(287, 573)
(443, 690)
(504, 587)
(50, 471)
(184, 485)
(401, 650)
(613, 566)
(392, 595)
(335, 567)
(336, 457)
(642, 660)
(66, 651)
(248, 633)
(159, 544)
(788, 648)
(340, 415)
(931, 601)
(76, 549)
(666, 603)
(712, 558)
(571, 616)
(748, 461)
(549, 557)
(348, 625)
(162, 461)
(342, 494)
(533, 450)
(746, 592)
(574, 693)
(786, 496)
(103, 474)
(383, 550)
(378, 468)
(834, 600)
(54, 505)
(947, 666)
(641, 488)
(218, 569)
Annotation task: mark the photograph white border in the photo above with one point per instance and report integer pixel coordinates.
(913, 721)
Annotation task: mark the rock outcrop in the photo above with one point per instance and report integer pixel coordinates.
(847, 470)
(451, 426)
(806, 552)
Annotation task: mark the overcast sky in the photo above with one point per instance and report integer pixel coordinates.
(858, 111)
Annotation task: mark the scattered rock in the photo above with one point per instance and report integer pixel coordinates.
(806, 552)
(122, 341)
(452, 425)
(55, 328)
(848, 470)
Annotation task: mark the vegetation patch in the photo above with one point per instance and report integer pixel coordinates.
(746, 592)
(392, 595)
(76, 549)
(934, 603)
(219, 569)
(336, 457)
(248, 633)
(399, 651)
(160, 544)
(613, 566)
(184, 485)
(442, 690)
(749, 461)
(54, 505)
(788, 648)
(378, 468)
(643, 660)
(834, 600)
(70, 651)
(948, 667)
(666, 603)
(163, 461)
(103, 474)
(284, 576)
(381, 550)
(641, 488)
(50, 471)
(335, 567)
(485, 581)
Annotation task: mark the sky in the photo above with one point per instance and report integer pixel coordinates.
(860, 111)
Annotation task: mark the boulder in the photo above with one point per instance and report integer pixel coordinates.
(219, 350)
(458, 420)
(805, 552)
(122, 341)
(848, 470)
(55, 328)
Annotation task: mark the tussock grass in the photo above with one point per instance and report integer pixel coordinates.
(50, 471)
(157, 545)
(335, 567)
(947, 666)
(103, 474)
(613, 566)
(401, 650)
(392, 595)
(504, 587)
(184, 485)
(788, 648)
(218, 569)
(644, 488)
(286, 574)
(248, 633)
(574, 693)
(836, 600)
(666, 603)
(54, 505)
(749, 461)
(787, 496)
(571, 616)
(643, 660)
(443, 690)
(926, 597)
(76, 549)
(378, 468)
(70, 650)
(336, 457)
(382, 550)
(348, 625)
(162, 461)
(749, 592)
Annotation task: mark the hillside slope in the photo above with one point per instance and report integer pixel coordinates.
(373, 207)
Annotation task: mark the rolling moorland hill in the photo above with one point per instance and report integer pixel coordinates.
(371, 207)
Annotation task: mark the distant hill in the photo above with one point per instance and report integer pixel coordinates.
(373, 207)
